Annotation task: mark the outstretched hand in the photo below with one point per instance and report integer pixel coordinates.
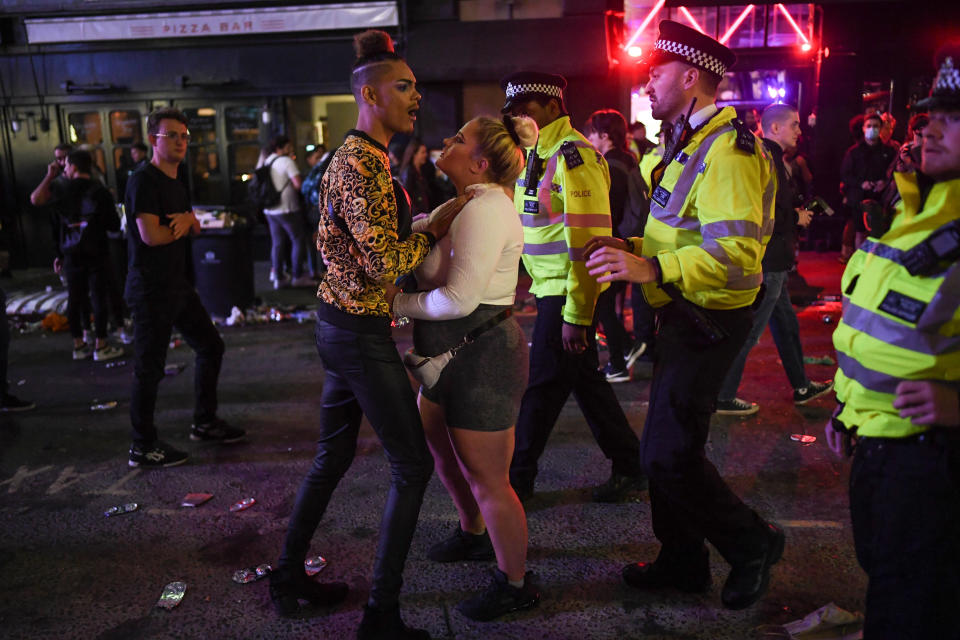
(929, 403)
(446, 213)
(596, 242)
(608, 264)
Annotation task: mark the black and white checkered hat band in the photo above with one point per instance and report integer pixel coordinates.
(948, 79)
(533, 87)
(694, 56)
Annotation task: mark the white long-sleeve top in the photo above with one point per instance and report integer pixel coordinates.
(476, 262)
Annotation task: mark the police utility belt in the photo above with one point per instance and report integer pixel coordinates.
(427, 370)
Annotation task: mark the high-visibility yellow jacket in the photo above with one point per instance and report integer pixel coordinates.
(897, 326)
(711, 217)
(566, 205)
(649, 162)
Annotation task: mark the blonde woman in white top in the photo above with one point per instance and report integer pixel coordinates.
(469, 282)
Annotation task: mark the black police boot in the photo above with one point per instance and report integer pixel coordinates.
(747, 582)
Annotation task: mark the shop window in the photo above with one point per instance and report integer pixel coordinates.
(203, 159)
(243, 160)
(243, 123)
(85, 128)
(125, 127)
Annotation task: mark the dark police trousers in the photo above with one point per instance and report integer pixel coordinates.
(154, 319)
(689, 501)
(364, 375)
(905, 508)
(554, 374)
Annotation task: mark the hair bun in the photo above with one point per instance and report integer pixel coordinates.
(372, 42)
(525, 130)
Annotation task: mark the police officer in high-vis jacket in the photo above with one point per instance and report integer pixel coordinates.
(699, 262)
(562, 202)
(898, 348)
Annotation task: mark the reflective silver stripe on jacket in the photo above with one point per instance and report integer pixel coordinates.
(896, 333)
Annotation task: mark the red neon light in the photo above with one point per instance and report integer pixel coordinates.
(736, 23)
(792, 22)
(643, 25)
(691, 19)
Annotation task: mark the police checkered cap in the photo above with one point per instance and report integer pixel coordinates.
(946, 86)
(680, 42)
(694, 56)
(525, 85)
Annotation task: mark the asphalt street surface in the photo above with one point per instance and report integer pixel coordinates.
(66, 571)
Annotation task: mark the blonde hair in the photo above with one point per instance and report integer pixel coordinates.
(502, 143)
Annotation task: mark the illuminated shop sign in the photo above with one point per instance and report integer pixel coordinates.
(192, 24)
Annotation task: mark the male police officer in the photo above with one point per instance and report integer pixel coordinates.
(898, 347)
(699, 262)
(562, 200)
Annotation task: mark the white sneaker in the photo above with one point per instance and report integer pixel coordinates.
(637, 349)
(107, 352)
(82, 352)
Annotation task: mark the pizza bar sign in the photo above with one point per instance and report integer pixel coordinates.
(186, 24)
(206, 28)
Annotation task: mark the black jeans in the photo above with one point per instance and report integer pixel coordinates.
(87, 282)
(153, 321)
(612, 324)
(643, 325)
(364, 375)
(689, 501)
(554, 374)
(905, 507)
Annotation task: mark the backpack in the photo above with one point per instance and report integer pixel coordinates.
(637, 206)
(261, 191)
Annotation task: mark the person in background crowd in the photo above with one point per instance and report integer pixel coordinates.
(413, 176)
(699, 263)
(606, 130)
(863, 174)
(87, 213)
(886, 130)
(9, 403)
(639, 145)
(781, 129)
(363, 371)
(897, 388)
(469, 414)
(162, 297)
(563, 200)
(314, 157)
(752, 119)
(285, 220)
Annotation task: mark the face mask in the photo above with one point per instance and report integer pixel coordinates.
(871, 134)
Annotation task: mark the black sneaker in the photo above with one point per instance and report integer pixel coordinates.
(803, 395)
(747, 582)
(736, 407)
(500, 598)
(619, 487)
(633, 354)
(286, 593)
(615, 375)
(216, 431)
(10, 402)
(386, 624)
(463, 546)
(158, 455)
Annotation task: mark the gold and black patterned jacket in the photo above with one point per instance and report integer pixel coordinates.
(358, 208)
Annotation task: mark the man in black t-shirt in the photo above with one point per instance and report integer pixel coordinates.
(85, 213)
(161, 295)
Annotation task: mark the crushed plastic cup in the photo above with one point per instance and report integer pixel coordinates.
(240, 505)
(172, 595)
(195, 499)
(173, 368)
(236, 317)
(244, 576)
(121, 509)
(803, 438)
(314, 565)
(116, 363)
(96, 405)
